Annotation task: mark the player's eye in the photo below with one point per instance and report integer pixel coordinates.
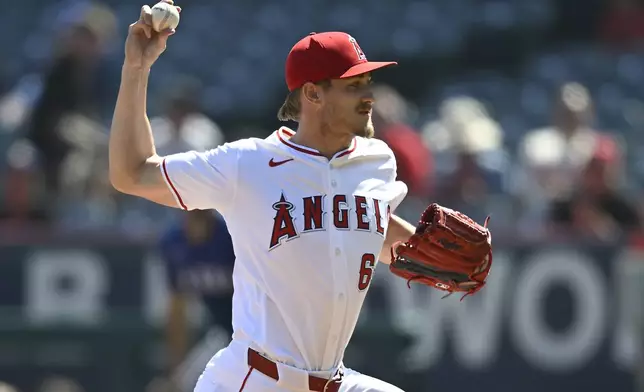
(359, 85)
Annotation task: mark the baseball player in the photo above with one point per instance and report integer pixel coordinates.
(199, 259)
(310, 212)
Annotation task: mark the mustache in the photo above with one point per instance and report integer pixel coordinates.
(365, 108)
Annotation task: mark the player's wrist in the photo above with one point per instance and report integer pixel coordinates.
(135, 69)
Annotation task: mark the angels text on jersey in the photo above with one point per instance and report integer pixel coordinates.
(368, 216)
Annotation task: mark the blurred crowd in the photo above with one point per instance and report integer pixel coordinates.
(65, 384)
(51, 384)
(567, 172)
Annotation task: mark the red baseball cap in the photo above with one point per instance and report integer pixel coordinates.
(331, 55)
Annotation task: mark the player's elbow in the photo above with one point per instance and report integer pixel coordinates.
(120, 185)
(121, 181)
(128, 179)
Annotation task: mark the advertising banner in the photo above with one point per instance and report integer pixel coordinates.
(551, 318)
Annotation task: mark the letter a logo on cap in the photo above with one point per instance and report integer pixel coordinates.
(361, 55)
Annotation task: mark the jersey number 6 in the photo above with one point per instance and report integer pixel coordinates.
(367, 264)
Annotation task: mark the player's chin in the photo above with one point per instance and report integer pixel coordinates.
(365, 130)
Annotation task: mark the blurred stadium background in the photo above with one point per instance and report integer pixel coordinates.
(531, 111)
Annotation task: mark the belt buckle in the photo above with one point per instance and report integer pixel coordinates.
(337, 378)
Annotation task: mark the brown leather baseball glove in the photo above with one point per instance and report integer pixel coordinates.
(449, 251)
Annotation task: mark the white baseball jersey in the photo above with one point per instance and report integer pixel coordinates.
(307, 232)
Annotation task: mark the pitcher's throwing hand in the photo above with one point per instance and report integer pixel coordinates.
(143, 45)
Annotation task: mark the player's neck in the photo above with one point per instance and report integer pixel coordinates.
(322, 140)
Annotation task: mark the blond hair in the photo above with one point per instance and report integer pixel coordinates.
(290, 109)
(292, 106)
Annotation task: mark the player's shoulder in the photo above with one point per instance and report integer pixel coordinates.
(249, 145)
(374, 148)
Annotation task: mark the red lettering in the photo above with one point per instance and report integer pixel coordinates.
(376, 207)
(361, 213)
(313, 213)
(340, 216)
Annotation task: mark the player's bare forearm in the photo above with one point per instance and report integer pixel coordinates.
(399, 230)
(131, 143)
(134, 164)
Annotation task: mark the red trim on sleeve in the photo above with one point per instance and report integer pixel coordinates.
(167, 177)
(246, 379)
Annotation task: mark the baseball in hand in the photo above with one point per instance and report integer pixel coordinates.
(164, 17)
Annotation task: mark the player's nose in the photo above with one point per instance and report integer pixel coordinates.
(368, 97)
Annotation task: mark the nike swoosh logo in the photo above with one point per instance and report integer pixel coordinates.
(272, 163)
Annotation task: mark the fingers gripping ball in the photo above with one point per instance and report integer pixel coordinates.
(449, 251)
(165, 16)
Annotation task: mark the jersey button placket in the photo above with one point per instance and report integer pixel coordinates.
(341, 271)
(337, 262)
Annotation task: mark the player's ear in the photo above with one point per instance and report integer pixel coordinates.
(311, 93)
